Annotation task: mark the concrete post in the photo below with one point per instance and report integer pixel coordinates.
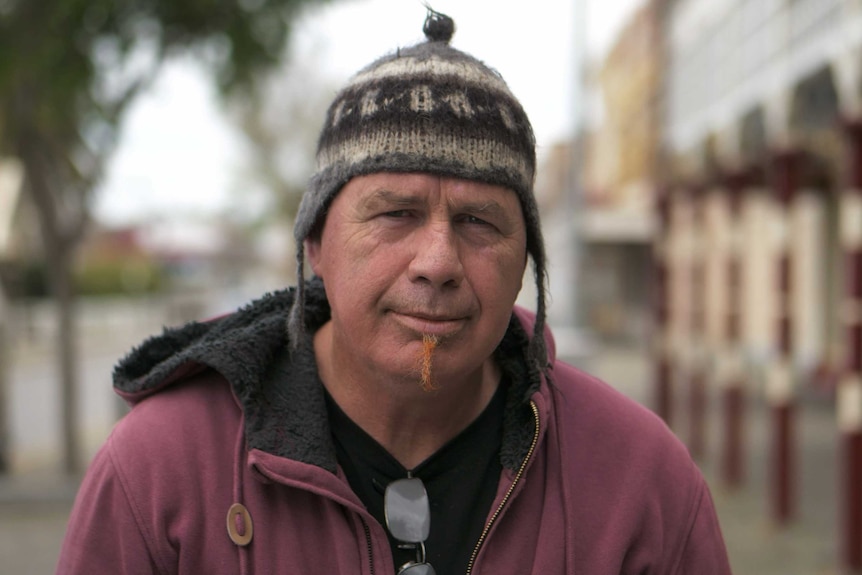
(849, 396)
(696, 364)
(732, 371)
(661, 262)
(784, 183)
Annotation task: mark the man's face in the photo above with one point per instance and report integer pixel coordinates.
(407, 255)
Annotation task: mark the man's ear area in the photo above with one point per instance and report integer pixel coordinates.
(312, 252)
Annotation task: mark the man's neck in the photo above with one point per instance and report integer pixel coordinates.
(409, 422)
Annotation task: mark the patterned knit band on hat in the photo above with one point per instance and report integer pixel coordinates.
(427, 108)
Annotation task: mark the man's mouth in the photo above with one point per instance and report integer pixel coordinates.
(436, 325)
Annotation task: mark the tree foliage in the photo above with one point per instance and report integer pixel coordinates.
(281, 122)
(69, 69)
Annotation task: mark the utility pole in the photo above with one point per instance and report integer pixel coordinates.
(572, 323)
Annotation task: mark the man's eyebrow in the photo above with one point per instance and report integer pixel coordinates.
(486, 208)
(385, 197)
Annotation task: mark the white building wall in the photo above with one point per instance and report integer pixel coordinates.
(728, 56)
(715, 236)
(759, 277)
(682, 246)
(809, 297)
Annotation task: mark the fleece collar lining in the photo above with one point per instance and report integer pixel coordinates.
(278, 385)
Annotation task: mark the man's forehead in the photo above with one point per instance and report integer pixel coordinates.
(402, 189)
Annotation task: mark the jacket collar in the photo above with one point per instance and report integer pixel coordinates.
(277, 385)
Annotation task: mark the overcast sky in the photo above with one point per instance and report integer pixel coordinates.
(177, 154)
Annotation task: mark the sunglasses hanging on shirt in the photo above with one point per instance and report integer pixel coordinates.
(408, 518)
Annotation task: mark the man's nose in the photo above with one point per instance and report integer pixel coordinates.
(437, 258)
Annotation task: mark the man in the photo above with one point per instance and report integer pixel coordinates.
(408, 419)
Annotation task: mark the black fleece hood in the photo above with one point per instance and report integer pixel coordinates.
(277, 385)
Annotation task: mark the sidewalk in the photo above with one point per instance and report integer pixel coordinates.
(33, 513)
(808, 545)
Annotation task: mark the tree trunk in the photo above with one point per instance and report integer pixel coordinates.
(60, 265)
(61, 231)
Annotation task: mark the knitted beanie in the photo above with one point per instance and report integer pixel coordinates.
(427, 108)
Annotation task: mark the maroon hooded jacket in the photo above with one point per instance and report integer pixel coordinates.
(223, 414)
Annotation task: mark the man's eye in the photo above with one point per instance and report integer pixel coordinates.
(397, 214)
(473, 220)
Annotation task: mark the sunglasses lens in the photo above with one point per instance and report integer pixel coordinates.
(417, 569)
(408, 516)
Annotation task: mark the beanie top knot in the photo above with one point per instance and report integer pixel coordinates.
(438, 27)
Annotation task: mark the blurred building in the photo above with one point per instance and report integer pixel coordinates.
(12, 228)
(744, 119)
(206, 265)
(618, 158)
(763, 102)
(19, 233)
(759, 248)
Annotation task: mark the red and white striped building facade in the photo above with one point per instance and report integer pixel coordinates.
(759, 251)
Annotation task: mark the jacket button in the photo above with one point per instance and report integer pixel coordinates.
(239, 526)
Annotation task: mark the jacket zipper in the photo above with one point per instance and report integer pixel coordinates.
(370, 547)
(509, 492)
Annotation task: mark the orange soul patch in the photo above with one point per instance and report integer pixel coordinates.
(429, 344)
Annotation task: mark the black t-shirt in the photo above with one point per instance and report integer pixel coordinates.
(461, 480)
